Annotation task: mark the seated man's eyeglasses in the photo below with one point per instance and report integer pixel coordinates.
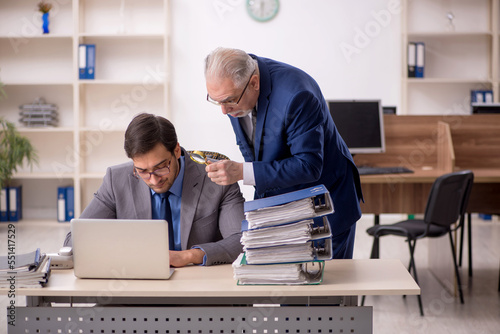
(231, 103)
(158, 172)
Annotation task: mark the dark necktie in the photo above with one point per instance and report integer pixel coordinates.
(163, 211)
(168, 218)
(254, 122)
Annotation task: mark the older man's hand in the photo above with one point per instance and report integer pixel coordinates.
(225, 172)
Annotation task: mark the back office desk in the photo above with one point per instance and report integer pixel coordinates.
(433, 146)
(208, 300)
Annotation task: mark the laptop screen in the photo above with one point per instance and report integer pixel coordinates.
(116, 248)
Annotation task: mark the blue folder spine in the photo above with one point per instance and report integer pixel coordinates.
(481, 96)
(411, 57)
(82, 60)
(420, 60)
(65, 203)
(86, 61)
(61, 204)
(15, 203)
(70, 203)
(4, 204)
(285, 198)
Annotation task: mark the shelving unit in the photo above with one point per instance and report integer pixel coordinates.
(132, 57)
(461, 54)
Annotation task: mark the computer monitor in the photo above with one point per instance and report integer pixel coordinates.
(360, 123)
(485, 108)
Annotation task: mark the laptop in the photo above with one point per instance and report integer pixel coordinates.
(120, 248)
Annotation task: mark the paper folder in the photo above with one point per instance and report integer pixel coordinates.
(314, 250)
(272, 274)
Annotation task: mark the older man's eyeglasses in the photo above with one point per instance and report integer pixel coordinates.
(231, 103)
(158, 172)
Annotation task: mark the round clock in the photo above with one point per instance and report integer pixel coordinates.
(262, 10)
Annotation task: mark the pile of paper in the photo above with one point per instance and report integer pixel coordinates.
(38, 114)
(295, 233)
(29, 270)
(286, 273)
(280, 254)
(285, 238)
(275, 215)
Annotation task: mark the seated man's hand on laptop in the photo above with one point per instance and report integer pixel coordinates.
(185, 257)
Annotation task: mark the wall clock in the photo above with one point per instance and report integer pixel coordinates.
(262, 10)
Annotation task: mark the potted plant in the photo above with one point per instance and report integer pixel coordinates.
(45, 8)
(15, 149)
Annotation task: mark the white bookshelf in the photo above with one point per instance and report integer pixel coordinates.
(131, 76)
(459, 57)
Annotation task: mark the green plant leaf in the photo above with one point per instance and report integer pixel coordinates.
(15, 149)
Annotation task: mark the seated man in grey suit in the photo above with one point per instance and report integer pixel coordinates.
(206, 217)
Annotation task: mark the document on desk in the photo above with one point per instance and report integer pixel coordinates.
(295, 233)
(29, 270)
(290, 207)
(313, 250)
(286, 234)
(21, 262)
(277, 274)
(279, 214)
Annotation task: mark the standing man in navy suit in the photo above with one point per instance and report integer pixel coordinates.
(286, 134)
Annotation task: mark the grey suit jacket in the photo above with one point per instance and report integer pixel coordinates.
(211, 215)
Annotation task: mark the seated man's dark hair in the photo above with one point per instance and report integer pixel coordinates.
(146, 131)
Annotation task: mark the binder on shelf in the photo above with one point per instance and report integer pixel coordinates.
(4, 205)
(70, 203)
(488, 96)
(481, 96)
(15, 203)
(272, 274)
(65, 204)
(61, 204)
(476, 96)
(86, 61)
(412, 54)
(420, 60)
(82, 60)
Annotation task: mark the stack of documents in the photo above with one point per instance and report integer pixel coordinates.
(269, 216)
(285, 273)
(295, 233)
(281, 234)
(29, 270)
(38, 114)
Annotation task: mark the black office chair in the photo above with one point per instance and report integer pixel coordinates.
(447, 203)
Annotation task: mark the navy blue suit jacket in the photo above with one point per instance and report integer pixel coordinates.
(297, 144)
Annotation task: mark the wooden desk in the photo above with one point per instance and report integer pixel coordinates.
(208, 299)
(433, 146)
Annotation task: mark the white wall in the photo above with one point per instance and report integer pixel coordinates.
(352, 48)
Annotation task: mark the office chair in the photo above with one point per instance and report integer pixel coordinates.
(446, 203)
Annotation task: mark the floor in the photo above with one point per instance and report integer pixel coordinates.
(392, 314)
